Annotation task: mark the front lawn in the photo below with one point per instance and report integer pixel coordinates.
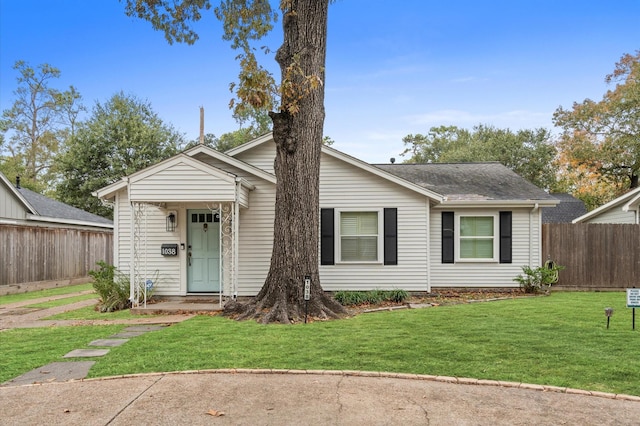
(558, 340)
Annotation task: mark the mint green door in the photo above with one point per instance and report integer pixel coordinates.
(203, 254)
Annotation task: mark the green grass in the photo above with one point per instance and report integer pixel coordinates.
(558, 340)
(22, 350)
(19, 297)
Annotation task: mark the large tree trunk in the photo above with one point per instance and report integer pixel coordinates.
(297, 132)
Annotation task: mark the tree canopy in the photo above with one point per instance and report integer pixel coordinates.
(38, 123)
(530, 153)
(122, 136)
(602, 139)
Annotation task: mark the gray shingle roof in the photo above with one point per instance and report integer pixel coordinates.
(55, 209)
(568, 209)
(469, 181)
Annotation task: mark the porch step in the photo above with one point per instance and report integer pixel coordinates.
(177, 307)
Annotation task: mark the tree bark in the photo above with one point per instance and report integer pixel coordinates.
(297, 133)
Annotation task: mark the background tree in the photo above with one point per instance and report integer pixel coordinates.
(298, 122)
(604, 136)
(121, 136)
(529, 153)
(38, 124)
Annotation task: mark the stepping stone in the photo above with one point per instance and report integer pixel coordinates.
(109, 342)
(127, 334)
(144, 328)
(54, 372)
(86, 353)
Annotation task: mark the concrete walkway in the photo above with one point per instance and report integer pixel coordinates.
(19, 315)
(259, 397)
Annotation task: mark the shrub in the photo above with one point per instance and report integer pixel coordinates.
(538, 279)
(397, 296)
(351, 298)
(113, 288)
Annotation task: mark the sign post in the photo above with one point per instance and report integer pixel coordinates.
(307, 295)
(633, 301)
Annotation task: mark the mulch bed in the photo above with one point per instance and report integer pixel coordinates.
(443, 297)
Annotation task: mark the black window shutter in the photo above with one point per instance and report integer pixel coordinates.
(505, 237)
(327, 246)
(391, 236)
(448, 237)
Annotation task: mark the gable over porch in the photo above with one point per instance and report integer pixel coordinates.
(177, 228)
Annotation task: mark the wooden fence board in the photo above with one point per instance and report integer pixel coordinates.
(32, 254)
(596, 256)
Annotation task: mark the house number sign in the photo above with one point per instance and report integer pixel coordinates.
(169, 250)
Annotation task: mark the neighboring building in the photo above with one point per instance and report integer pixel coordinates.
(45, 240)
(568, 209)
(624, 209)
(204, 221)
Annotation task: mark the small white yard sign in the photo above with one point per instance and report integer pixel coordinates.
(633, 298)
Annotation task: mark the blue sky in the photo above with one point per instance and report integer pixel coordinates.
(393, 67)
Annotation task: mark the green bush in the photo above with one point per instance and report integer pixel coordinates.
(352, 298)
(397, 296)
(538, 279)
(112, 288)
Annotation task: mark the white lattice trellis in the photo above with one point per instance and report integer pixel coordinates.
(228, 248)
(139, 254)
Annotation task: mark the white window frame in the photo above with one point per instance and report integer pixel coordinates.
(338, 236)
(496, 238)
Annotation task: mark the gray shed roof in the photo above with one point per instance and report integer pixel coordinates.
(55, 209)
(469, 181)
(568, 209)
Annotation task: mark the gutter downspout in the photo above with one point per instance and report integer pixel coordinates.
(236, 228)
(535, 208)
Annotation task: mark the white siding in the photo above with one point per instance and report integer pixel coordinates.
(256, 239)
(168, 282)
(122, 232)
(614, 215)
(261, 156)
(345, 186)
(525, 251)
(10, 206)
(183, 182)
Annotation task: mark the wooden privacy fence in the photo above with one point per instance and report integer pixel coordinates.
(596, 256)
(31, 254)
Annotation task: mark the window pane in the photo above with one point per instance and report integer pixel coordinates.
(358, 223)
(476, 226)
(348, 224)
(359, 249)
(472, 248)
(359, 236)
(209, 217)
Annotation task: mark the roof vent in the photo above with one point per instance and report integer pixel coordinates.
(18, 182)
(393, 160)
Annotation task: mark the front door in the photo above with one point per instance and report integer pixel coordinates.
(203, 255)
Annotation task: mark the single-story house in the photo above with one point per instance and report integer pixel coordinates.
(204, 221)
(45, 241)
(568, 209)
(624, 209)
